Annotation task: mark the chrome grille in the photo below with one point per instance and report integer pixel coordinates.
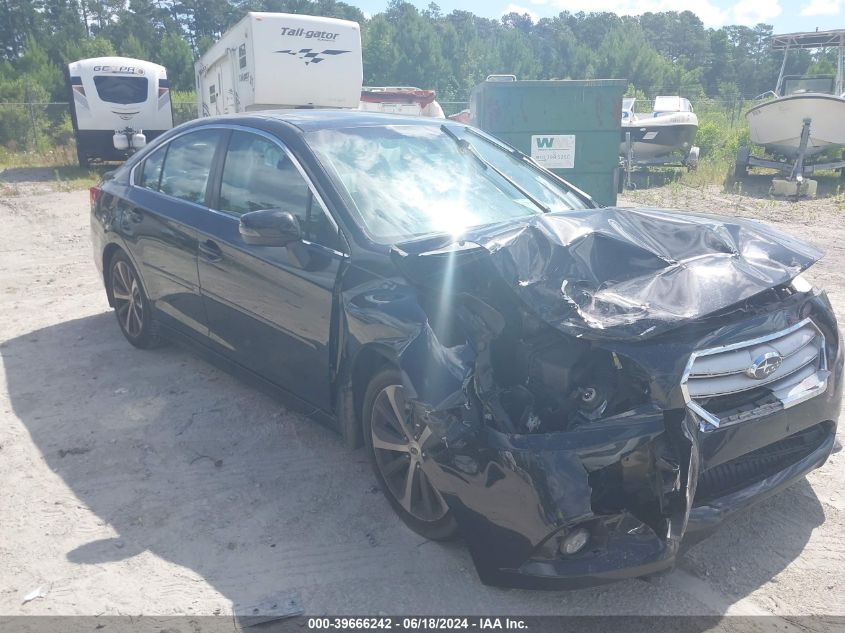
(796, 371)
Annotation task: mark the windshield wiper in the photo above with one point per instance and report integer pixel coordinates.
(465, 146)
(509, 149)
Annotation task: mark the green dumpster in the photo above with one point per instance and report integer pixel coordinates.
(571, 127)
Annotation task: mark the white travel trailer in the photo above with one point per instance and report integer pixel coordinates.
(280, 60)
(117, 105)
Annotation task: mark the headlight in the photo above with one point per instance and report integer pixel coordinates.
(800, 284)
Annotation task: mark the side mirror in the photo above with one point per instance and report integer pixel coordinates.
(269, 227)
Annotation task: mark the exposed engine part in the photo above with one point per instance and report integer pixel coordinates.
(548, 383)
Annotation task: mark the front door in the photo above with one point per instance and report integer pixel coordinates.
(271, 307)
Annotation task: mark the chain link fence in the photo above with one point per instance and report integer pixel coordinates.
(34, 126)
(184, 111)
(41, 127)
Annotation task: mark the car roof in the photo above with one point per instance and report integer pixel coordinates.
(309, 120)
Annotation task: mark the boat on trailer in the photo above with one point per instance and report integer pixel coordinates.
(663, 137)
(802, 117)
(668, 130)
(406, 100)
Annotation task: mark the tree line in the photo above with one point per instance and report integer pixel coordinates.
(658, 53)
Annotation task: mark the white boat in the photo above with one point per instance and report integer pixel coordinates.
(778, 124)
(668, 129)
(406, 100)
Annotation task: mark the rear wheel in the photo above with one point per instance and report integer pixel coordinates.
(397, 451)
(131, 306)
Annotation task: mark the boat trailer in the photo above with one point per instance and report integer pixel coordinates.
(630, 162)
(796, 171)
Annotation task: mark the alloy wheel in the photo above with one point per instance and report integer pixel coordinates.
(399, 449)
(127, 299)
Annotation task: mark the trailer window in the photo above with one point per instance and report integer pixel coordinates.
(242, 56)
(123, 90)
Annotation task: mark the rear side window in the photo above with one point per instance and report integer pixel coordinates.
(188, 165)
(123, 90)
(151, 169)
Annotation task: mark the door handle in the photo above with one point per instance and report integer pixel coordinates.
(134, 216)
(211, 251)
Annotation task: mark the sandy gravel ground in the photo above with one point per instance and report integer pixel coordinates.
(152, 483)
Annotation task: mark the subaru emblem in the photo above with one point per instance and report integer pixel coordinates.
(764, 366)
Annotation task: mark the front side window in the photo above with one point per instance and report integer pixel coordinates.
(123, 90)
(258, 174)
(188, 165)
(413, 180)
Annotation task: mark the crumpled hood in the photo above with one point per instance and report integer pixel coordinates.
(617, 273)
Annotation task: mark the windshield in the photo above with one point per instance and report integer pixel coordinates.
(413, 180)
(799, 85)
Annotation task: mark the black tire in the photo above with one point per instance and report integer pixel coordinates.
(741, 165)
(131, 306)
(423, 510)
(82, 157)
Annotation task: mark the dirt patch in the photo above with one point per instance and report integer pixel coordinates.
(151, 482)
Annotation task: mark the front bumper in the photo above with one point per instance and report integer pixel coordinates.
(643, 552)
(630, 480)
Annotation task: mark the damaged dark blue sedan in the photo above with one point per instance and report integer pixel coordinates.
(574, 390)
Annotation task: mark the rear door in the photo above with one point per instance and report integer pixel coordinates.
(159, 219)
(270, 307)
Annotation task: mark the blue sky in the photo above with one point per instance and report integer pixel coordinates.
(786, 15)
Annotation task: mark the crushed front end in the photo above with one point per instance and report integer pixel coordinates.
(575, 451)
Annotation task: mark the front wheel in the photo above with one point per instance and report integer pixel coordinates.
(131, 306)
(397, 451)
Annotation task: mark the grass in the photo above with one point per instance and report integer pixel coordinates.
(710, 171)
(59, 156)
(68, 178)
(59, 167)
(720, 135)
